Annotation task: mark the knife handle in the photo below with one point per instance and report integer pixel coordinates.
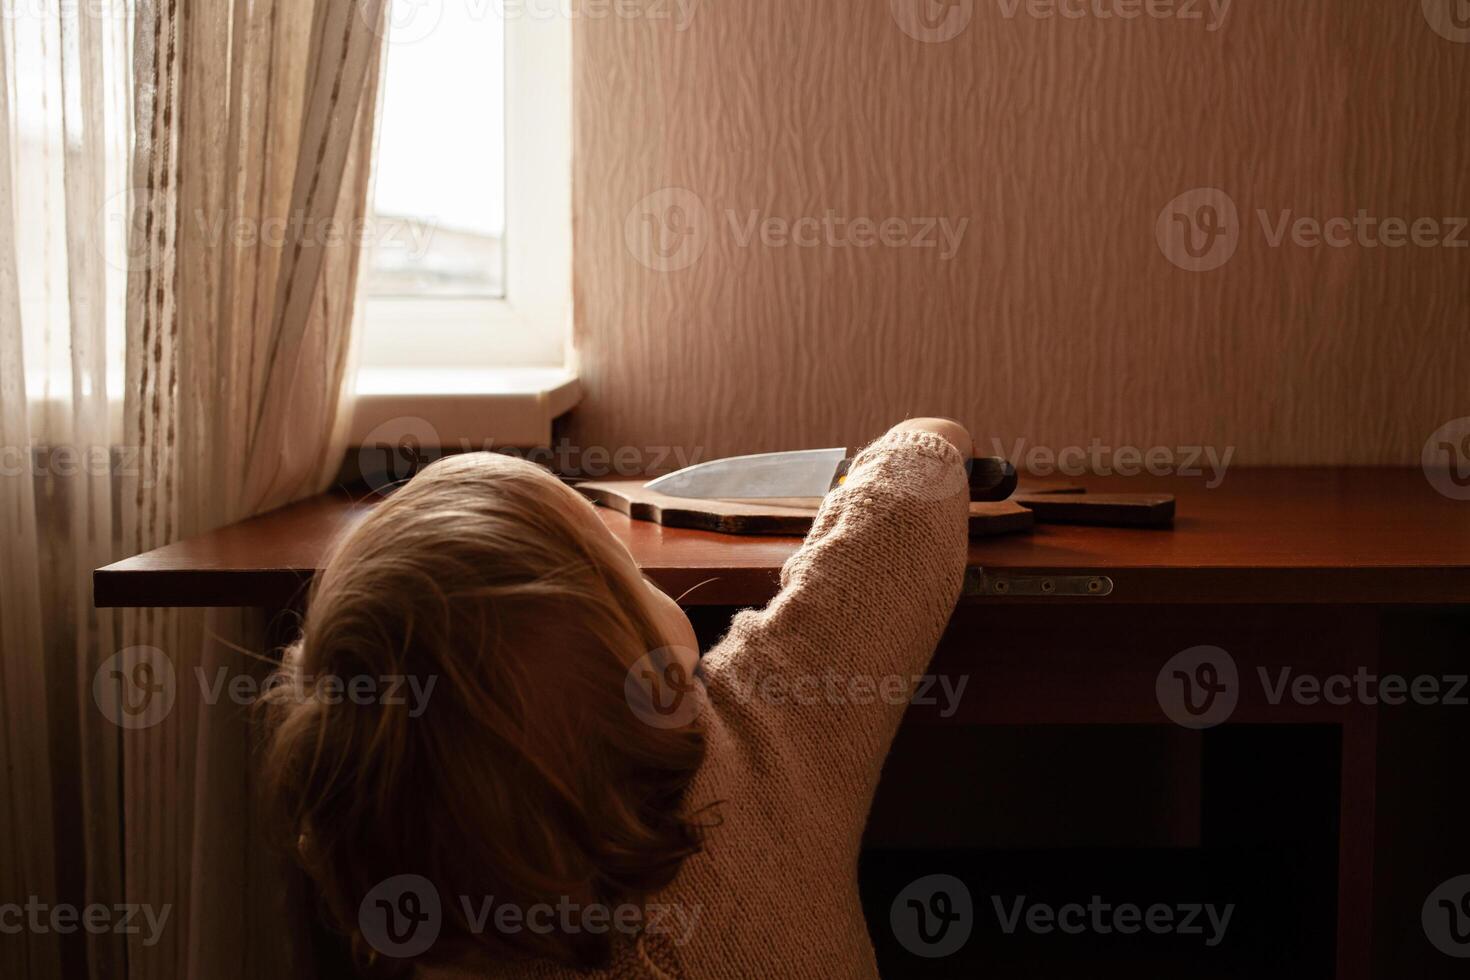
(991, 478)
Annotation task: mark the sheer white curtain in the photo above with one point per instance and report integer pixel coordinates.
(64, 132)
(178, 285)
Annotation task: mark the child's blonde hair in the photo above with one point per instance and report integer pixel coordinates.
(527, 777)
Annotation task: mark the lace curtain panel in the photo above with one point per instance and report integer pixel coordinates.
(169, 363)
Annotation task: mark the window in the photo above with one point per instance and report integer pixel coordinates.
(440, 180)
(470, 264)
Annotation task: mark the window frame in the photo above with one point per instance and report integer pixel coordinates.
(531, 325)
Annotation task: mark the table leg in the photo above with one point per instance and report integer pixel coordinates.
(1356, 845)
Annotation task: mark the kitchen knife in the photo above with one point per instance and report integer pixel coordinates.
(804, 473)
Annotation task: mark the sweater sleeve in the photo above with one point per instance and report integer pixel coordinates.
(817, 681)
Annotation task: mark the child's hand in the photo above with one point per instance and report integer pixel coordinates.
(948, 429)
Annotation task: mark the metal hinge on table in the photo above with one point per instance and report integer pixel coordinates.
(980, 582)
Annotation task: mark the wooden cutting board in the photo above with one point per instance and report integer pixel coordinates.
(785, 516)
(1100, 509)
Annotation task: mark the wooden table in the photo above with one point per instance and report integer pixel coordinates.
(1322, 571)
(1335, 536)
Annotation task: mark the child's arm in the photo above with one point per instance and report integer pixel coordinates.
(826, 670)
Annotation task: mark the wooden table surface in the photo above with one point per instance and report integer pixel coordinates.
(1298, 535)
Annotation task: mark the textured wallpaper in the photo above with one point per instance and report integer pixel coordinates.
(1097, 224)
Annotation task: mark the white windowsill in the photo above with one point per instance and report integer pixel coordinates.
(468, 408)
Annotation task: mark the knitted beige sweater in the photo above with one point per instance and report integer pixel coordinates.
(800, 703)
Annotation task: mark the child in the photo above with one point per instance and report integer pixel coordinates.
(581, 792)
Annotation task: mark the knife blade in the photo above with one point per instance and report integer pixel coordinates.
(804, 473)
